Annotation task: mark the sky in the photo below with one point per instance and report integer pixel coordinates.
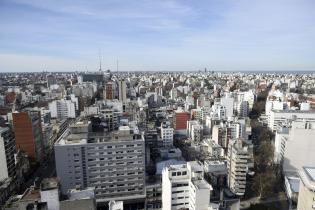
(157, 35)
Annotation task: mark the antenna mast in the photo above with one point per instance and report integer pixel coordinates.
(99, 55)
(117, 66)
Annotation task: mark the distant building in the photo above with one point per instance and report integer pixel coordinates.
(51, 80)
(195, 131)
(28, 133)
(109, 90)
(97, 77)
(63, 109)
(167, 134)
(180, 121)
(122, 93)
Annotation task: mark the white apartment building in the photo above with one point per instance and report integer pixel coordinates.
(62, 109)
(173, 93)
(112, 162)
(195, 130)
(218, 112)
(167, 134)
(278, 117)
(183, 187)
(228, 103)
(273, 105)
(306, 200)
(237, 158)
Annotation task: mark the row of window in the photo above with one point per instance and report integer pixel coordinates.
(179, 173)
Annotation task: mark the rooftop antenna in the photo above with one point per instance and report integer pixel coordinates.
(99, 55)
(117, 66)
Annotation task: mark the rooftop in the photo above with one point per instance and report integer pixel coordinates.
(201, 184)
(69, 138)
(294, 111)
(49, 184)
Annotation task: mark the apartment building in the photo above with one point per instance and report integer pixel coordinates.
(112, 162)
(237, 158)
(28, 133)
(62, 109)
(183, 187)
(7, 151)
(278, 117)
(167, 134)
(180, 121)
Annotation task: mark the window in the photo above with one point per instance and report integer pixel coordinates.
(173, 173)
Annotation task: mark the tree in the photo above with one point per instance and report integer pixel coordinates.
(263, 183)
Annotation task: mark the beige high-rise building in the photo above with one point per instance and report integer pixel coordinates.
(306, 199)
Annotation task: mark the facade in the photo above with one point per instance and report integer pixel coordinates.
(122, 93)
(228, 103)
(183, 187)
(7, 151)
(62, 109)
(307, 189)
(109, 90)
(221, 135)
(28, 133)
(113, 163)
(297, 148)
(167, 135)
(237, 158)
(49, 192)
(51, 80)
(180, 121)
(195, 130)
(277, 117)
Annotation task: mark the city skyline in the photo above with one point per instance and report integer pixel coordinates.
(157, 35)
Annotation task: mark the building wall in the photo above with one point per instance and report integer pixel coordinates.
(116, 168)
(24, 134)
(306, 198)
(181, 119)
(51, 197)
(299, 149)
(7, 151)
(3, 161)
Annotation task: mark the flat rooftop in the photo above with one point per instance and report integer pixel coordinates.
(96, 137)
(201, 184)
(49, 184)
(294, 111)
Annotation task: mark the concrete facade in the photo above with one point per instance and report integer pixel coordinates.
(113, 163)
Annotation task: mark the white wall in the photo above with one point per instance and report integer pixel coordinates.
(51, 197)
(3, 161)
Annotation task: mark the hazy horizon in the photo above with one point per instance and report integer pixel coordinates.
(170, 35)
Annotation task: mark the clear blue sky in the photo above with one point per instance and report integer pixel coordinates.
(59, 35)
